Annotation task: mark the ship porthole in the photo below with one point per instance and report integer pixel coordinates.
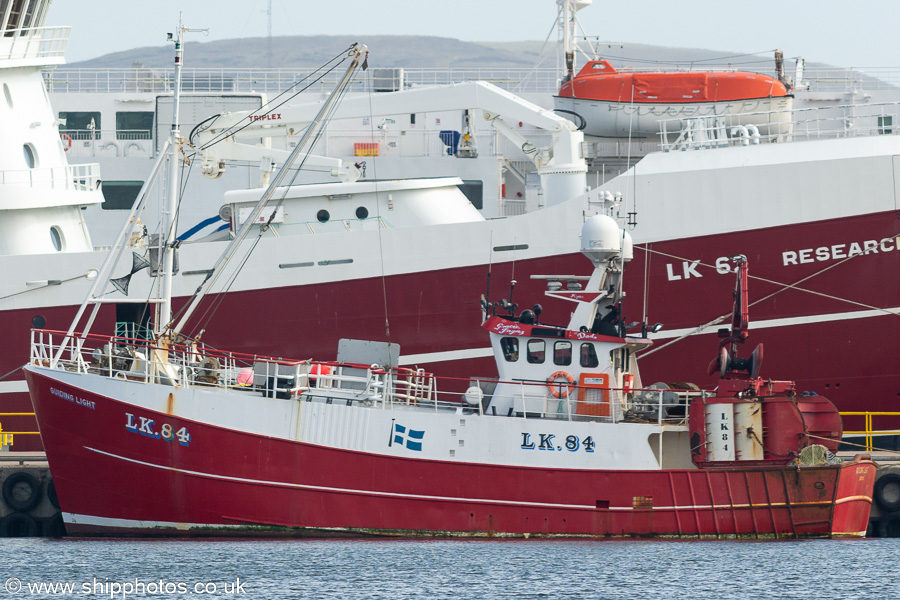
(30, 156)
(323, 216)
(56, 236)
(362, 213)
(6, 93)
(38, 322)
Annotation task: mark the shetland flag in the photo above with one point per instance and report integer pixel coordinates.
(409, 437)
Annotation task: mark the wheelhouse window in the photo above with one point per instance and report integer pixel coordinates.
(120, 195)
(589, 358)
(536, 351)
(134, 125)
(510, 347)
(80, 125)
(562, 353)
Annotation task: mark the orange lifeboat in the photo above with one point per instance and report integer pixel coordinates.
(610, 103)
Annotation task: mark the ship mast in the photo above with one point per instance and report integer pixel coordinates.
(164, 308)
(568, 30)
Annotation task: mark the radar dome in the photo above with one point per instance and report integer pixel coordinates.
(627, 247)
(601, 238)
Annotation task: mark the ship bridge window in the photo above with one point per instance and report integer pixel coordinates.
(120, 195)
(562, 353)
(134, 125)
(510, 347)
(536, 352)
(884, 123)
(589, 358)
(15, 11)
(80, 125)
(8, 96)
(30, 155)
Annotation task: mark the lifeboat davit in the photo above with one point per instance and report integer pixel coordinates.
(610, 103)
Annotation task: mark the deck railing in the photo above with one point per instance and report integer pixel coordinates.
(35, 42)
(7, 437)
(517, 80)
(869, 432)
(194, 365)
(72, 177)
(842, 121)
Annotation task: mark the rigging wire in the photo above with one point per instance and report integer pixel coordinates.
(272, 105)
(541, 56)
(759, 56)
(387, 321)
(211, 310)
(783, 288)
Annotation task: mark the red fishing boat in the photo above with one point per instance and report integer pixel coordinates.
(567, 442)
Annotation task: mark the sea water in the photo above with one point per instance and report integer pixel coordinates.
(435, 569)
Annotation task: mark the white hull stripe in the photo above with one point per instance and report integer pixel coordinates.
(74, 519)
(786, 322)
(12, 387)
(455, 499)
(434, 357)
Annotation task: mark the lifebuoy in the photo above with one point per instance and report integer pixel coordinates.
(66, 141)
(21, 491)
(556, 390)
(887, 492)
(316, 370)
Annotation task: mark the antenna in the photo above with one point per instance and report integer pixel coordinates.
(269, 37)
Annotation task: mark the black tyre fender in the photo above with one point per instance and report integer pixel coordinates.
(889, 525)
(18, 524)
(51, 495)
(886, 492)
(21, 491)
(54, 527)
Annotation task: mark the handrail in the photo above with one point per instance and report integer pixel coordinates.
(81, 178)
(869, 432)
(514, 79)
(34, 42)
(195, 365)
(6, 437)
(751, 128)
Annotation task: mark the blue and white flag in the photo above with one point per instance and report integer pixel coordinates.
(411, 438)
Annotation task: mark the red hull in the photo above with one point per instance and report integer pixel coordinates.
(230, 483)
